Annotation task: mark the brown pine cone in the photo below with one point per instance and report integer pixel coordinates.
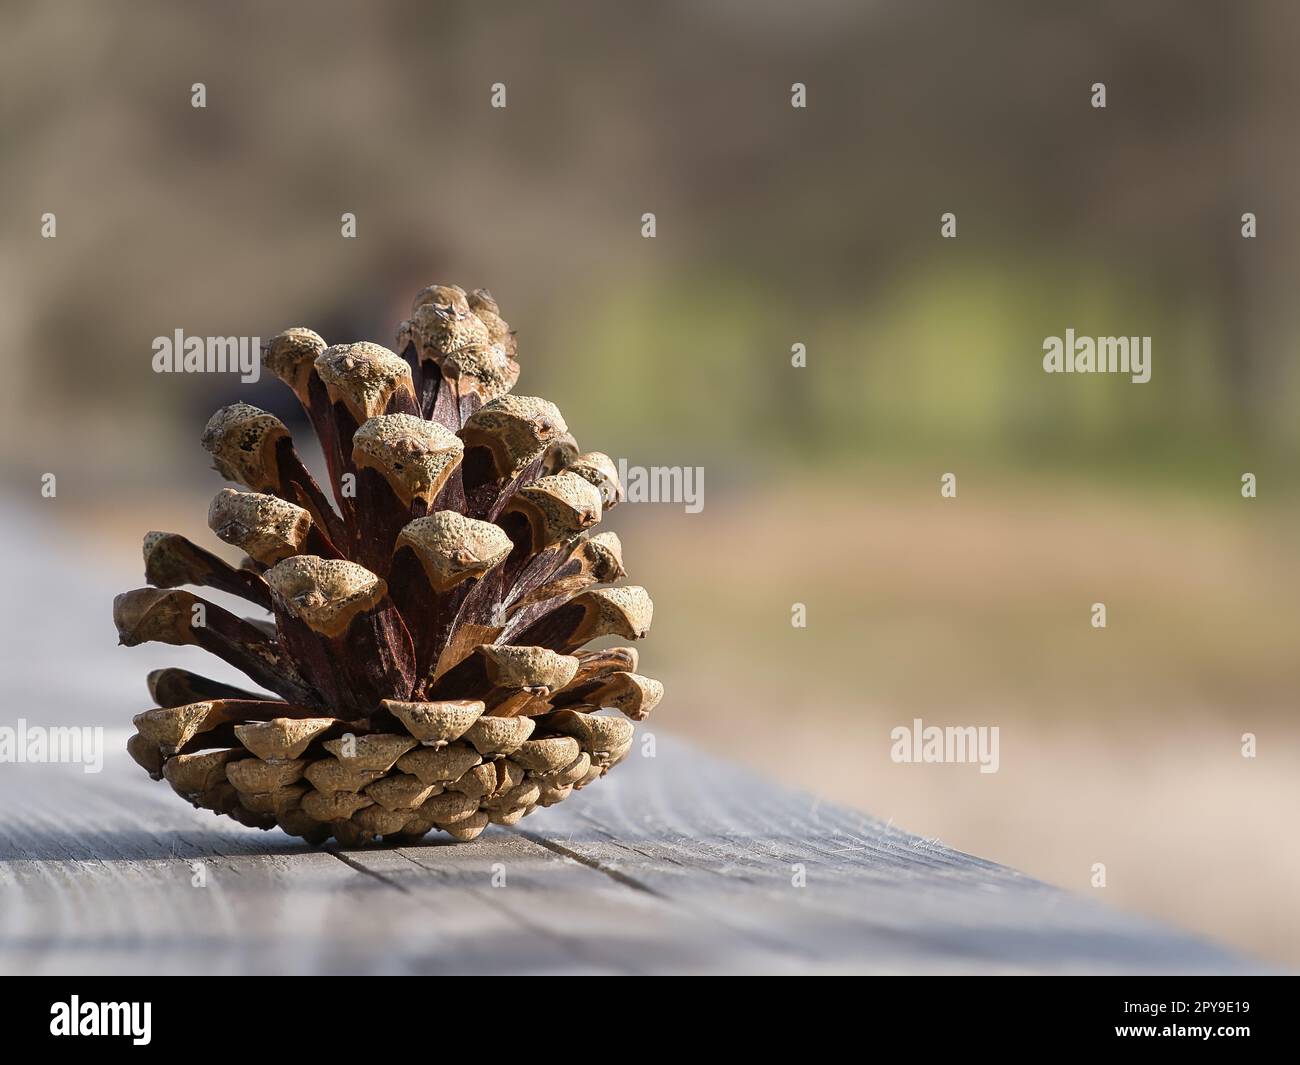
(427, 634)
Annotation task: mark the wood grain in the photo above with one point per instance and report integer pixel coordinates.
(680, 863)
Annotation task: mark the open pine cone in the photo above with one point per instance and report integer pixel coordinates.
(426, 638)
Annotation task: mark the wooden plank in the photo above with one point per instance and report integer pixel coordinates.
(680, 863)
(97, 875)
(594, 922)
(727, 846)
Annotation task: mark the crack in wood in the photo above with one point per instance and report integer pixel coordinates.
(352, 864)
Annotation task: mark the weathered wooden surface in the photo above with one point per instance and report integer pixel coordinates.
(679, 863)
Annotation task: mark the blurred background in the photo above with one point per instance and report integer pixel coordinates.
(775, 226)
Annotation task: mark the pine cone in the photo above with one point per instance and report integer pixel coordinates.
(426, 640)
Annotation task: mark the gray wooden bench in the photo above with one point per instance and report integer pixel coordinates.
(680, 863)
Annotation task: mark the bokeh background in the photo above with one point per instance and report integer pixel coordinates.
(775, 226)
